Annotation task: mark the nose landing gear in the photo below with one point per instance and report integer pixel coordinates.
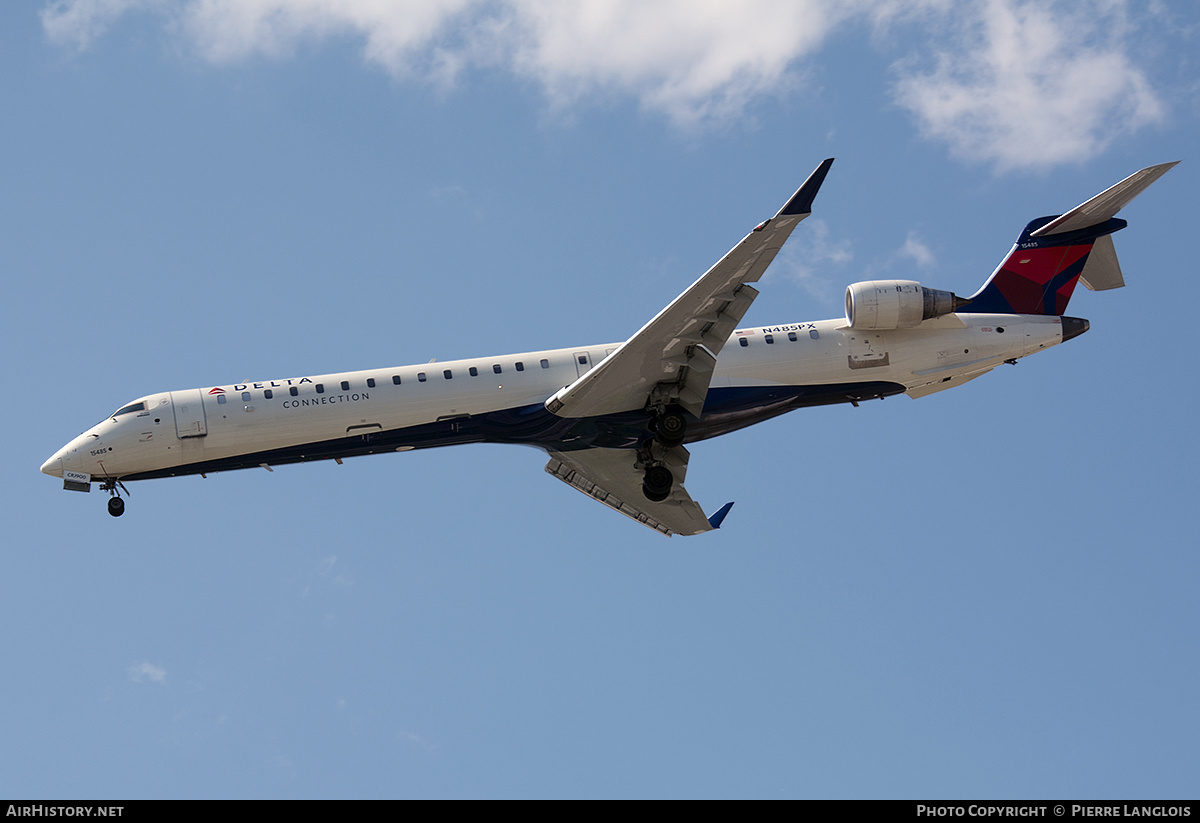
(114, 487)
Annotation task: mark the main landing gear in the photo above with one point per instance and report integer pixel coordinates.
(657, 483)
(672, 426)
(114, 487)
(669, 424)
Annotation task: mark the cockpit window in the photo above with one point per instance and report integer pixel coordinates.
(132, 407)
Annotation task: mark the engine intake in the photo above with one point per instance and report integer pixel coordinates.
(896, 304)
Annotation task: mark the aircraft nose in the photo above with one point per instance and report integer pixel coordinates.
(61, 460)
(53, 466)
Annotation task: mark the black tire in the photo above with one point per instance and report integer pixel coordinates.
(116, 506)
(671, 427)
(654, 497)
(657, 483)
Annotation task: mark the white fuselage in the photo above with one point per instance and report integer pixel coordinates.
(499, 399)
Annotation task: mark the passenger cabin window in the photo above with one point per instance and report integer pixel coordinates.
(770, 339)
(474, 372)
(345, 385)
(370, 382)
(421, 377)
(496, 368)
(447, 374)
(320, 388)
(813, 334)
(520, 366)
(245, 397)
(792, 336)
(396, 379)
(268, 394)
(743, 342)
(545, 363)
(221, 399)
(293, 391)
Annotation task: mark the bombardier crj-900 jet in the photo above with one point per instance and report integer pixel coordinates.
(615, 418)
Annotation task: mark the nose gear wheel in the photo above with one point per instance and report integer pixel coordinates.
(114, 487)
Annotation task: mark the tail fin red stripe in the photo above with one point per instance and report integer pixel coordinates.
(1040, 281)
(1039, 274)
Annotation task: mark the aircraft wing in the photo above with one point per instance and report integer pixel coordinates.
(610, 476)
(675, 353)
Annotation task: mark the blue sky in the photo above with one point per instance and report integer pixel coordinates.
(987, 592)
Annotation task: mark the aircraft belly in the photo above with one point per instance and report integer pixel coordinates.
(733, 408)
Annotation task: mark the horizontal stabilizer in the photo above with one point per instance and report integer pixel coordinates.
(1106, 204)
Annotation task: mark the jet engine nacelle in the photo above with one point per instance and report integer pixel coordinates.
(896, 304)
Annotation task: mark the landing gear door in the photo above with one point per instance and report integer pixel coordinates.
(189, 413)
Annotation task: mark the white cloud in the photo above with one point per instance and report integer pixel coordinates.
(325, 570)
(808, 255)
(81, 21)
(1013, 83)
(1031, 85)
(395, 34)
(415, 740)
(141, 672)
(693, 60)
(916, 250)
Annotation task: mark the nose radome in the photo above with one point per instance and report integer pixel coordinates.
(53, 466)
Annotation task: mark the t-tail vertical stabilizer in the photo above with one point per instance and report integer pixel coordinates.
(1053, 253)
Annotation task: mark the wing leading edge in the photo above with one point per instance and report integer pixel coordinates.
(674, 354)
(670, 360)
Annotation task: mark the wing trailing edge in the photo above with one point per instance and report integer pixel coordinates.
(610, 476)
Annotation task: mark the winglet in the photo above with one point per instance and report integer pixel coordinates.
(719, 515)
(802, 200)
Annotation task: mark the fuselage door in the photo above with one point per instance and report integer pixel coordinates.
(189, 413)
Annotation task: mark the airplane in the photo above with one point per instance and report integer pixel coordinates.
(615, 418)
